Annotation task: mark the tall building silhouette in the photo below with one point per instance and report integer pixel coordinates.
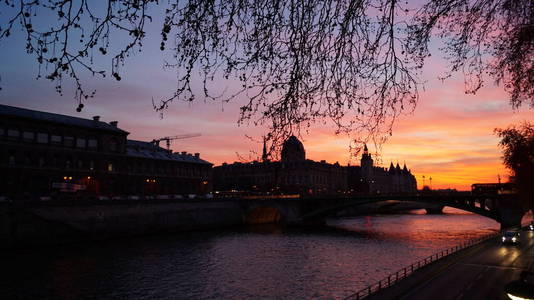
(292, 174)
(296, 174)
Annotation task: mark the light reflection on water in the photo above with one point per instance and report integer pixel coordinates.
(259, 263)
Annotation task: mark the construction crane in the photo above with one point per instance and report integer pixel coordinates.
(168, 139)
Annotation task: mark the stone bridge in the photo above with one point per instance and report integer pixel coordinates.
(505, 209)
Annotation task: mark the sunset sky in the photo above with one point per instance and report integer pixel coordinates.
(449, 137)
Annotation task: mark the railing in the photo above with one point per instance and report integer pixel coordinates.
(404, 272)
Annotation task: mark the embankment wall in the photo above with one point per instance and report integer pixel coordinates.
(34, 224)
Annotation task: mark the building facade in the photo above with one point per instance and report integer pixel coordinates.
(368, 178)
(296, 174)
(293, 174)
(47, 155)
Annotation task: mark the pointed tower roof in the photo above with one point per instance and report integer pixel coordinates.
(391, 168)
(264, 157)
(366, 157)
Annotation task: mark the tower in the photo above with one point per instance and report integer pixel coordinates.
(264, 157)
(393, 178)
(400, 179)
(366, 163)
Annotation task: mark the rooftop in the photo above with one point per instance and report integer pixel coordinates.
(6, 110)
(149, 150)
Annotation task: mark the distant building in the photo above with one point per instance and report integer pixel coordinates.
(493, 188)
(296, 174)
(368, 178)
(293, 174)
(46, 154)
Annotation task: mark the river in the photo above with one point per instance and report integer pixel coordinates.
(248, 263)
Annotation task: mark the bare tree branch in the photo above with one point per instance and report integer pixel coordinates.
(354, 63)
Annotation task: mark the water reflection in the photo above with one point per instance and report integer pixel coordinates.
(259, 262)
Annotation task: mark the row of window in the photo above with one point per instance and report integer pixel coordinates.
(51, 162)
(297, 179)
(54, 139)
(80, 164)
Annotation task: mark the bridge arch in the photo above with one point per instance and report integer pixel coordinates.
(263, 214)
(326, 211)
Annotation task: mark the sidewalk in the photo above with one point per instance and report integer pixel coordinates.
(478, 272)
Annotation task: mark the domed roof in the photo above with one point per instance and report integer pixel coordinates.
(293, 150)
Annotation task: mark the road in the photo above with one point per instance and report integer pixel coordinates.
(480, 273)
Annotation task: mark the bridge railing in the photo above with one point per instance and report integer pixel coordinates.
(404, 272)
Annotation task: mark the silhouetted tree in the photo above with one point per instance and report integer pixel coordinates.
(354, 62)
(518, 155)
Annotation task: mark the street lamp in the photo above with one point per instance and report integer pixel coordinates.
(424, 182)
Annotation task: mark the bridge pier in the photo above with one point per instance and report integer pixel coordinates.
(438, 210)
(511, 218)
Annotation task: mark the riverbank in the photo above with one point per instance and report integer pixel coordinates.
(33, 224)
(480, 271)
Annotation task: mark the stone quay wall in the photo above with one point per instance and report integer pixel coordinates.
(35, 224)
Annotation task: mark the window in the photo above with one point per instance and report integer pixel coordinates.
(13, 133)
(67, 164)
(55, 139)
(12, 159)
(110, 167)
(80, 143)
(113, 145)
(68, 141)
(92, 144)
(41, 161)
(2, 131)
(42, 138)
(28, 135)
(91, 165)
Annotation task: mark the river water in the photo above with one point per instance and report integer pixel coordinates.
(250, 263)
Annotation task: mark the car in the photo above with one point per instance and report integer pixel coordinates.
(511, 237)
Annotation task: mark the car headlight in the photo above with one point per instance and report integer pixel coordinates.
(514, 239)
(503, 239)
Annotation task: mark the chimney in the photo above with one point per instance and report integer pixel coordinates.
(96, 118)
(114, 123)
(197, 155)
